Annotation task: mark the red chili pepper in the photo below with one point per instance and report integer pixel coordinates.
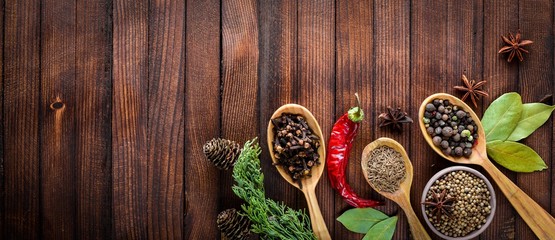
(342, 136)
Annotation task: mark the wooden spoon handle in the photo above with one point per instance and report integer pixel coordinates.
(531, 212)
(318, 224)
(416, 228)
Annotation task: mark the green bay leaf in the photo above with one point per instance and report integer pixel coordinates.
(383, 230)
(360, 220)
(515, 156)
(533, 116)
(502, 116)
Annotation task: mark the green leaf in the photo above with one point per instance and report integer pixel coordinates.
(533, 116)
(515, 156)
(383, 230)
(502, 116)
(360, 220)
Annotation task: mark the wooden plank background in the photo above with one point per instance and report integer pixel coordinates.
(106, 103)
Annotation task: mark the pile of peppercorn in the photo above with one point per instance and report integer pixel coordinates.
(451, 128)
(295, 146)
(458, 203)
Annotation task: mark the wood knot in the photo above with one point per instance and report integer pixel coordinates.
(57, 105)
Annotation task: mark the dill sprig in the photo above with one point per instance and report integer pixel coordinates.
(270, 219)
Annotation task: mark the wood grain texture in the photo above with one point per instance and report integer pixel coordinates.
(279, 83)
(552, 190)
(535, 22)
(202, 111)
(165, 131)
(142, 85)
(93, 119)
(2, 188)
(502, 77)
(57, 118)
(240, 56)
(129, 119)
(428, 73)
(391, 78)
(316, 73)
(464, 45)
(21, 215)
(354, 73)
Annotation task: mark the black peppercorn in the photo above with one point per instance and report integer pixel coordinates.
(451, 124)
(458, 151)
(444, 144)
(438, 130)
(457, 137)
(467, 152)
(430, 107)
(447, 131)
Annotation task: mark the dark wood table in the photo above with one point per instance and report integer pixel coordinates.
(106, 104)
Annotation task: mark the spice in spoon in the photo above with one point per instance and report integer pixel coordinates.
(295, 145)
(451, 128)
(386, 169)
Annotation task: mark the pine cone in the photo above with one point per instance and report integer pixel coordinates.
(222, 152)
(232, 225)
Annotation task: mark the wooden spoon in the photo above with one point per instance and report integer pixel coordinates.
(402, 195)
(308, 183)
(533, 214)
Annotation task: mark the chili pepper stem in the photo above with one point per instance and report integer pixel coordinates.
(355, 113)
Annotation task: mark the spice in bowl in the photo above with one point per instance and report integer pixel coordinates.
(386, 169)
(458, 203)
(452, 129)
(295, 147)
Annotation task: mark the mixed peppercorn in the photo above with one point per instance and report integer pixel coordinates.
(452, 129)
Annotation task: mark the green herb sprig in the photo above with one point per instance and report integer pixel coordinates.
(270, 219)
(369, 221)
(506, 121)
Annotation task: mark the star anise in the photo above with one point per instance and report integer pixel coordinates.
(441, 203)
(394, 117)
(515, 45)
(472, 89)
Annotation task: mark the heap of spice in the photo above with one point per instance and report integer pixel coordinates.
(458, 203)
(452, 129)
(295, 145)
(386, 169)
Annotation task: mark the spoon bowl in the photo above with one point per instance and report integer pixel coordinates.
(539, 220)
(317, 169)
(478, 150)
(402, 195)
(307, 184)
